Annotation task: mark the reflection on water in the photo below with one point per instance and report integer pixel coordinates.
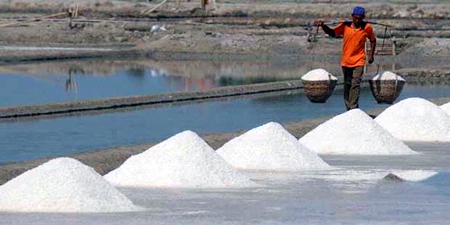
(71, 84)
(89, 79)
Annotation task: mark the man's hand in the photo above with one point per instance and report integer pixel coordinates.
(318, 23)
(325, 28)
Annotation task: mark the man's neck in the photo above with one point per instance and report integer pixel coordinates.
(357, 25)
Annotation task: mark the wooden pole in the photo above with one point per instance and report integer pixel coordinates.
(35, 19)
(153, 9)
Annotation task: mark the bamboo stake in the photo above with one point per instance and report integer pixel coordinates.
(35, 19)
(153, 9)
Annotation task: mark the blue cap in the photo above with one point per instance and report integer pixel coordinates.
(358, 10)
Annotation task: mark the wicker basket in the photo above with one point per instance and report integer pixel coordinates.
(319, 91)
(386, 91)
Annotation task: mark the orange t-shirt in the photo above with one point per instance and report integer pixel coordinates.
(353, 52)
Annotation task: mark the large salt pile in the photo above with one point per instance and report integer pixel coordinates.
(353, 132)
(184, 160)
(416, 119)
(62, 185)
(388, 75)
(270, 147)
(318, 75)
(446, 108)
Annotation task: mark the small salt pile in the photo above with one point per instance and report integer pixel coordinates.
(353, 132)
(446, 108)
(318, 75)
(270, 147)
(414, 175)
(388, 75)
(184, 160)
(62, 185)
(416, 119)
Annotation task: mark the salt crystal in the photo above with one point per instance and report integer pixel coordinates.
(446, 108)
(353, 132)
(318, 75)
(388, 75)
(270, 147)
(184, 160)
(416, 119)
(62, 185)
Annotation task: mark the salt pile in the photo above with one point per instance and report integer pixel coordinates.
(388, 75)
(270, 147)
(446, 108)
(62, 185)
(373, 175)
(414, 175)
(353, 132)
(416, 119)
(184, 160)
(318, 75)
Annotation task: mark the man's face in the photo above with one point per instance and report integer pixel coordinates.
(357, 19)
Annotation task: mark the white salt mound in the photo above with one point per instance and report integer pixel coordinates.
(374, 175)
(184, 160)
(414, 175)
(388, 75)
(416, 119)
(446, 108)
(62, 185)
(270, 147)
(317, 75)
(353, 132)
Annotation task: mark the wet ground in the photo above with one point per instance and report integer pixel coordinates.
(351, 193)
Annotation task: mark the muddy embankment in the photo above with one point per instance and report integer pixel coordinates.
(256, 29)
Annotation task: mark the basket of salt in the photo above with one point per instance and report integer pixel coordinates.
(319, 85)
(386, 87)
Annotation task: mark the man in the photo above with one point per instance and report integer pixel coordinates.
(354, 33)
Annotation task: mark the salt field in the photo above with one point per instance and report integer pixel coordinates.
(158, 112)
(353, 192)
(67, 135)
(264, 176)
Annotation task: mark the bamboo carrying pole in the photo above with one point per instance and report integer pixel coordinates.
(371, 22)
